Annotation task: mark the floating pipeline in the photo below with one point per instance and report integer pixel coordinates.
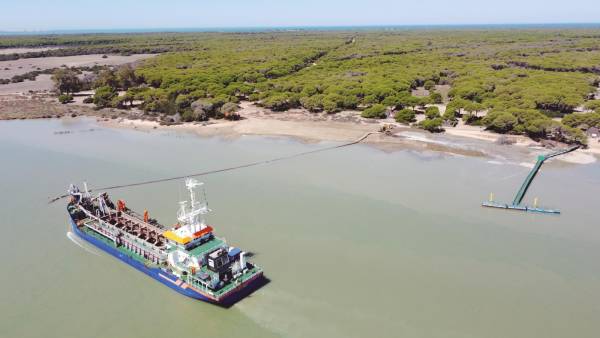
(516, 203)
(247, 165)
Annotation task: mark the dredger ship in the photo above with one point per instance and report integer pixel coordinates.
(187, 257)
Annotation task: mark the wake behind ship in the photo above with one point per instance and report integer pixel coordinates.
(187, 257)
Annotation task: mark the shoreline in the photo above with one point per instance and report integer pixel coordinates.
(345, 126)
(312, 128)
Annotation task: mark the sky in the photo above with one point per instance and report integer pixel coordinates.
(32, 15)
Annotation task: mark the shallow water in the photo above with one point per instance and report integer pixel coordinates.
(357, 242)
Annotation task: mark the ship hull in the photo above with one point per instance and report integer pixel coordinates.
(165, 278)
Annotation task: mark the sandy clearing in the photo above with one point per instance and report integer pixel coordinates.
(9, 69)
(43, 82)
(25, 50)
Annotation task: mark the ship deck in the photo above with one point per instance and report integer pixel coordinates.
(124, 250)
(206, 247)
(245, 277)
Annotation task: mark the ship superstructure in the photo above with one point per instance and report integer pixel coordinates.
(187, 257)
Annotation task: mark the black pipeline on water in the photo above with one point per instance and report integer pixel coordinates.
(247, 165)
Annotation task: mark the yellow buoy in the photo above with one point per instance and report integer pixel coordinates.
(491, 197)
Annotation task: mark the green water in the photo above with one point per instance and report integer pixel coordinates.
(357, 242)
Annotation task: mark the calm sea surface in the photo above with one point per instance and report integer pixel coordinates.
(356, 242)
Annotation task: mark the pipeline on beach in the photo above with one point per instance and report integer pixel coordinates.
(247, 165)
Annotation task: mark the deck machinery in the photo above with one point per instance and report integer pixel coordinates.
(516, 203)
(186, 257)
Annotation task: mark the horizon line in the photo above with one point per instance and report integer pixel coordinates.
(267, 28)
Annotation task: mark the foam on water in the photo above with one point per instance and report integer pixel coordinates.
(292, 315)
(71, 236)
(285, 313)
(422, 138)
(527, 164)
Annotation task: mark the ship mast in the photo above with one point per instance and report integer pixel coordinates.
(191, 217)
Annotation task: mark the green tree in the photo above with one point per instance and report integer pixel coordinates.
(432, 112)
(125, 77)
(66, 81)
(312, 103)
(538, 127)
(432, 125)
(405, 116)
(107, 78)
(104, 96)
(435, 98)
(453, 109)
(503, 122)
(413, 101)
(429, 85)
(377, 111)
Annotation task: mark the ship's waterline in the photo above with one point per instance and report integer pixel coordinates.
(356, 242)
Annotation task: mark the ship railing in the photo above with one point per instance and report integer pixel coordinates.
(115, 232)
(195, 282)
(140, 222)
(94, 226)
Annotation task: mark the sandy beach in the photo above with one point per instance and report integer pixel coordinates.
(308, 127)
(348, 126)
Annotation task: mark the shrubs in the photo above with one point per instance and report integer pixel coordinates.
(203, 109)
(280, 102)
(593, 105)
(229, 111)
(65, 98)
(377, 111)
(583, 121)
(535, 125)
(405, 116)
(189, 116)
